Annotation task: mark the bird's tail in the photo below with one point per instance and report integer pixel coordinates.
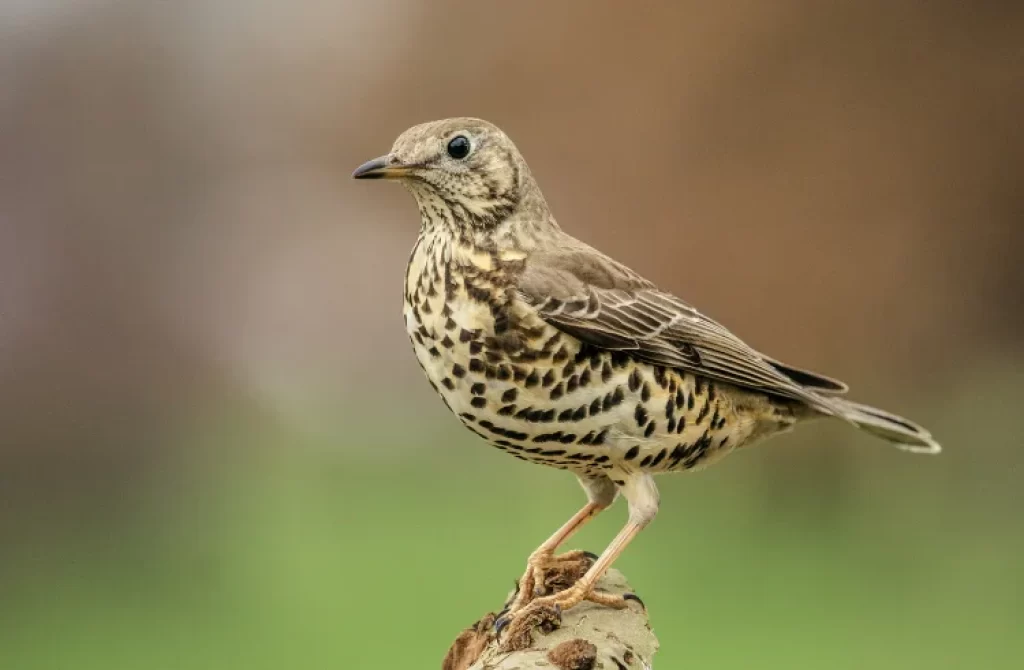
(905, 434)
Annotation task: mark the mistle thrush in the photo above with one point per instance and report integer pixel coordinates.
(557, 354)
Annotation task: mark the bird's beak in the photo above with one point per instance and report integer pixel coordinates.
(378, 168)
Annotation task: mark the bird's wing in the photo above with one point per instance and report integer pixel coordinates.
(605, 304)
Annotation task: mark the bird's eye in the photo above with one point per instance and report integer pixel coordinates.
(458, 147)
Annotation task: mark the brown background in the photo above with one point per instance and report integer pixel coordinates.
(839, 183)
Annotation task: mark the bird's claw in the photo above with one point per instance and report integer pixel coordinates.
(633, 596)
(501, 622)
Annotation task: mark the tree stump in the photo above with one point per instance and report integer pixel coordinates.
(590, 637)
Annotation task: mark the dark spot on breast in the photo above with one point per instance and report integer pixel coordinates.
(650, 429)
(466, 335)
(595, 406)
(678, 453)
(646, 461)
(450, 324)
(478, 402)
(518, 373)
(580, 413)
(565, 415)
(568, 438)
(671, 428)
(632, 453)
(561, 355)
(532, 379)
(640, 414)
(468, 417)
(434, 353)
(475, 347)
(601, 437)
(702, 414)
(448, 384)
(478, 388)
(645, 393)
(606, 372)
(634, 380)
(504, 373)
(509, 395)
(538, 416)
(476, 365)
(601, 459)
(572, 384)
(569, 368)
(526, 356)
(507, 410)
(553, 452)
(447, 342)
(585, 377)
(588, 438)
(557, 391)
(460, 371)
(549, 379)
(498, 430)
(619, 359)
(659, 458)
(660, 376)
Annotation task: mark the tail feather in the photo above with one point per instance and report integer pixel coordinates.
(905, 434)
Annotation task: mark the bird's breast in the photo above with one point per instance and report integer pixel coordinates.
(542, 395)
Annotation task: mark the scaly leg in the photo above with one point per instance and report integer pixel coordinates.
(600, 493)
(642, 496)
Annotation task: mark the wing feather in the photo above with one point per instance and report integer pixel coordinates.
(601, 302)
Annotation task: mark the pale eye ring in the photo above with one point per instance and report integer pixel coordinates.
(459, 147)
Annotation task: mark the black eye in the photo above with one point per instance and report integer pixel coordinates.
(458, 148)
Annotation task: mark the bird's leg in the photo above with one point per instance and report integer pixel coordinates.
(642, 496)
(601, 494)
(543, 556)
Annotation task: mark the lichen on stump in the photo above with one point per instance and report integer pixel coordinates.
(590, 636)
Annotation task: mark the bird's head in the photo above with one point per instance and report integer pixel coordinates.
(463, 171)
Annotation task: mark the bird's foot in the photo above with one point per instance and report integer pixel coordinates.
(547, 574)
(546, 613)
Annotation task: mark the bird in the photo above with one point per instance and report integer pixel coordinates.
(557, 354)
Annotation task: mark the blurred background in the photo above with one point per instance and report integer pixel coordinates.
(216, 450)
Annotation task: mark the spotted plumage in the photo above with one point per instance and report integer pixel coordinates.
(556, 354)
